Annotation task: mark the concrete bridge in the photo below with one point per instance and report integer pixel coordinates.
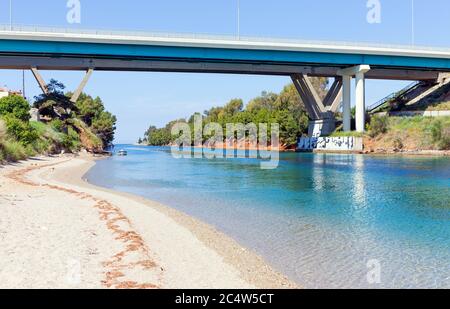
(63, 49)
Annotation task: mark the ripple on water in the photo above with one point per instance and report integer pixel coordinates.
(317, 218)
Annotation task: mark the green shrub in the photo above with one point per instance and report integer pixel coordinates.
(20, 130)
(30, 151)
(2, 130)
(15, 106)
(57, 125)
(40, 127)
(48, 140)
(47, 131)
(12, 150)
(378, 125)
(347, 134)
(42, 146)
(440, 134)
(71, 140)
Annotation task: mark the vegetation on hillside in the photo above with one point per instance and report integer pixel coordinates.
(91, 111)
(409, 133)
(285, 108)
(64, 127)
(85, 123)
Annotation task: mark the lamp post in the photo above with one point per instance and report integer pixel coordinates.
(23, 84)
(10, 15)
(412, 23)
(239, 19)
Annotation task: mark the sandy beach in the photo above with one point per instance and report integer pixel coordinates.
(58, 231)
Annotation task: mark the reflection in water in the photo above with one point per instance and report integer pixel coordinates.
(359, 193)
(319, 218)
(319, 161)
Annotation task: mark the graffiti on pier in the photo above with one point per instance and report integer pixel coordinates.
(331, 143)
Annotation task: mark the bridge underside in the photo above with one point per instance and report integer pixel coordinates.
(74, 63)
(321, 112)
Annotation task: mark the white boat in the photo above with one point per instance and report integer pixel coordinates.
(122, 153)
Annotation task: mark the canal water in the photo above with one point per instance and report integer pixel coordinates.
(324, 220)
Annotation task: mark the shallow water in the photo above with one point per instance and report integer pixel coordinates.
(318, 218)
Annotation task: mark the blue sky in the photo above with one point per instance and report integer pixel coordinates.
(141, 99)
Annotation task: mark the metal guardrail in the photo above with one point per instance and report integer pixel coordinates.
(383, 101)
(145, 34)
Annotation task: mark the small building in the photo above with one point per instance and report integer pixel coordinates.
(5, 92)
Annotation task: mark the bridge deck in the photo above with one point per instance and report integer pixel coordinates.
(75, 50)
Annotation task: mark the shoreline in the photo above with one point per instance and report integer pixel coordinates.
(415, 153)
(176, 251)
(421, 153)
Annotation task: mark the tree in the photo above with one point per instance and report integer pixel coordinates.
(213, 114)
(54, 104)
(321, 85)
(104, 126)
(233, 107)
(88, 108)
(287, 109)
(87, 117)
(149, 131)
(92, 112)
(289, 99)
(15, 112)
(15, 106)
(265, 100)
(290, 128)
(159, 137)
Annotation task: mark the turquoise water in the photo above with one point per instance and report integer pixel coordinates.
(318, 218)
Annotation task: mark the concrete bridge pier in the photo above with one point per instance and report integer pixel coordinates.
(321, 112)
(75, 95)
(346, 102)
(360, 95)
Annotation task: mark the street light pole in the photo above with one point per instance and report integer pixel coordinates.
(23, 84)
(412, 23)
(10, 15)
(239, 19)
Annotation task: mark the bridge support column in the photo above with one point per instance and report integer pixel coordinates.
(321, 112)
(39, 80)
(346, 103)
(360, 93)
(80, 88)
(77, 92)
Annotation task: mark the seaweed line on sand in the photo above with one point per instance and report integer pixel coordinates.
(121, 228)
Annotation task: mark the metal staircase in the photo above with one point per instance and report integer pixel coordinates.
(393, 97)
(411, 96)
